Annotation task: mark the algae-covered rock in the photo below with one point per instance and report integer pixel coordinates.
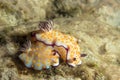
(110, 14)
(14, 12)
(71, 8)
(88, 20)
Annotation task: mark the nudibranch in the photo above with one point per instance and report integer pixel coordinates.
(66, 45)
(39, 56)
(46, 46)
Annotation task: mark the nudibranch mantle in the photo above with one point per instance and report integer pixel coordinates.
(46, 46)
(67, 42)
(66, 45)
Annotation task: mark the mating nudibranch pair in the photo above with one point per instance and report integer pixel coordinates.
(47, 46)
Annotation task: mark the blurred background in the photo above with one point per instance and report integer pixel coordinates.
(95, 23)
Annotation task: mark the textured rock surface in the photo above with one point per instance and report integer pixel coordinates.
(16, 11)
(94, 23)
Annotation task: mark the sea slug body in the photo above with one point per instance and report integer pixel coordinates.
(46, 46)
(39, 56)
(66, 45)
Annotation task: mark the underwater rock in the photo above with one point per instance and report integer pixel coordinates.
(108, 11)
(16, 11)
(94, 25)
